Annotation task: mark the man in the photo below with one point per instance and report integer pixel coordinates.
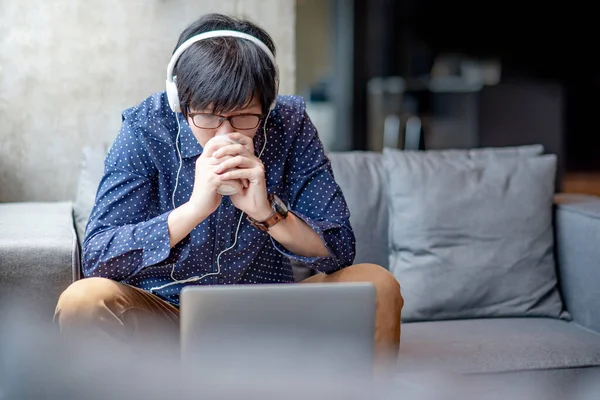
(159, 222)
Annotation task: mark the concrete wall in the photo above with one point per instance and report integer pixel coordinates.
(68, 68)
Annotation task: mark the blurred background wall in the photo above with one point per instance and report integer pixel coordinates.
(69, 68)
(427, 74)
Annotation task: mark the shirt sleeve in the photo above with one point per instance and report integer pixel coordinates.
(125, 233)
(316, 198)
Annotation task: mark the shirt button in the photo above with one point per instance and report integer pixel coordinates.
(221, 243)
(221, 280)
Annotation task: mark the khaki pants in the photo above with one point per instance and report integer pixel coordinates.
(109, 309)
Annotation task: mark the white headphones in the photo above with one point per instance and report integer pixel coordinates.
(172, 93)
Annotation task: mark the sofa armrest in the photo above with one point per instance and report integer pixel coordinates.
(37, 245)
(578, 256)
(76, 270)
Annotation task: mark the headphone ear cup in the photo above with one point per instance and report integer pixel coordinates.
(173, 96)
(274, 103)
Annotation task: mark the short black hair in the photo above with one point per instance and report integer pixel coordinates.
(224, 73)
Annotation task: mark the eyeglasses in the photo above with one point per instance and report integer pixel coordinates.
(211, 121)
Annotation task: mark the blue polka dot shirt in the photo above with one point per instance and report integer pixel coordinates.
(127, 236)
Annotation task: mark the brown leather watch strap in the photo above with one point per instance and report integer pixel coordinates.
(268, 223)
(273, 219)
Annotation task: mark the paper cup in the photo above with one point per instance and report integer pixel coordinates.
(224, 190)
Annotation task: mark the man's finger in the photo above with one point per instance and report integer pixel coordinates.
(218, 161)
(236, 162)
(238, 174)
(231, 150)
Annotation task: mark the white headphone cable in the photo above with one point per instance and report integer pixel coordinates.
(180, 163)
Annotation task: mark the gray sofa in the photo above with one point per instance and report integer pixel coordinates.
(563, 348)
(39, 257)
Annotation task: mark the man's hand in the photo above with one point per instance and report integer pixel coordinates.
(238, 163)
(205, 198)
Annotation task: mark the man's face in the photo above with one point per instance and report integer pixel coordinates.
(205, 124)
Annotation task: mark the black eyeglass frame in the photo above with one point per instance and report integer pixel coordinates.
(223, 119)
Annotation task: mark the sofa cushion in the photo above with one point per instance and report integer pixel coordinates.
(357, 170)
(361, 177)
(92, 169)
(497, 345)
(471, 234)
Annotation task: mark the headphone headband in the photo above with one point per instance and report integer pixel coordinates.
(172, 93)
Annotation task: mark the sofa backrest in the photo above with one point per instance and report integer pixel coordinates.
(361, 177)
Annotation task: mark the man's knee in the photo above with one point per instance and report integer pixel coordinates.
(83, 297)
(383, 280)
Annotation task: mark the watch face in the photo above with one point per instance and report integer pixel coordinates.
(279, 205)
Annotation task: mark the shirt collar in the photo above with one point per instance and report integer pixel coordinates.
(188, 144)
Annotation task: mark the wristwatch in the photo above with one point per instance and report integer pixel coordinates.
(280, 212)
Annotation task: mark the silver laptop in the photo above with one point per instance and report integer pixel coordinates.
(278, 326)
